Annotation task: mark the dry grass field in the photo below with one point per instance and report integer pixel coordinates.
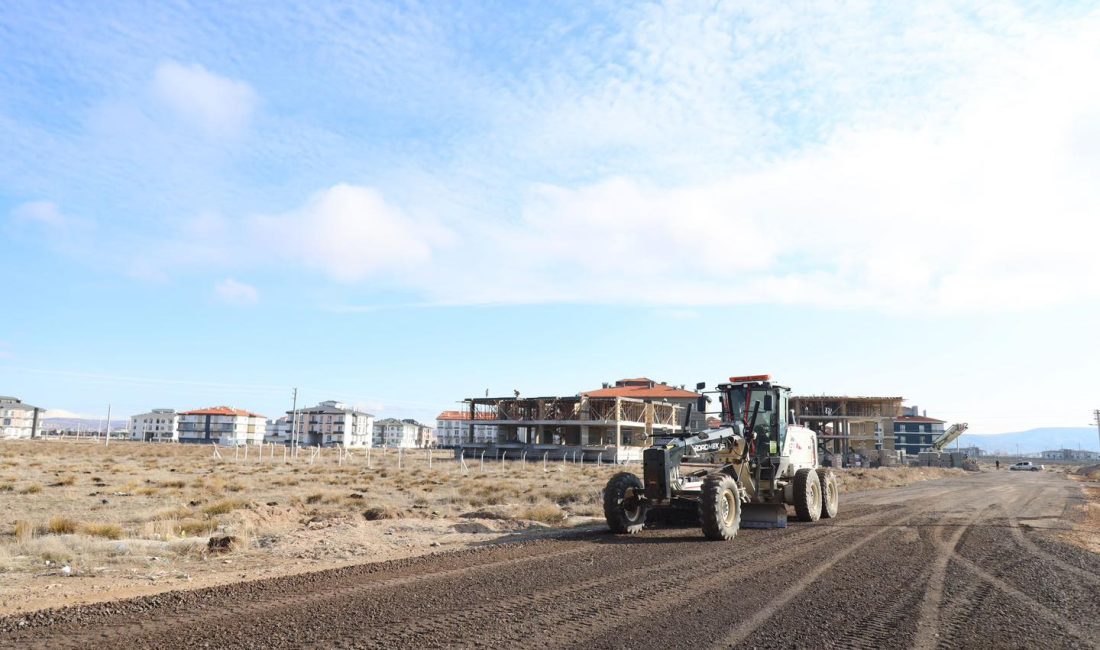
(83, 522)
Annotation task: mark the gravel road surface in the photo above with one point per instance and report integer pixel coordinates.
(949, 563)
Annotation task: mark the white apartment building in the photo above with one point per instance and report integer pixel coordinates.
(158, 425)
(409, 434)
(18, 420)
(222, 425)
(332, 424)
(451, 431)
(1069, 454)
(278, 431)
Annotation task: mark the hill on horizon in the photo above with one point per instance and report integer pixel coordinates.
(1034, 441)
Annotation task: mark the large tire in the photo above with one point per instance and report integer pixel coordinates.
(830, 494)
(625, 515)
(720, 507)
(807, 495)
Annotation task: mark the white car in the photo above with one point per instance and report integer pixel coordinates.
(1026, 466)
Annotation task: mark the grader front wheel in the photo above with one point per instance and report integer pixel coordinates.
(720, 507)
(624, 510)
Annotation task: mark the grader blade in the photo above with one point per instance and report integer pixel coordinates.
(763, 515)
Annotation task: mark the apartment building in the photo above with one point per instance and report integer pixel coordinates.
(222, 425)
(278, 431)
(452, 430)
(18, 420)
(332, 424)
(915, 432)
(158, 425)
(391, 432)
(1069, 454)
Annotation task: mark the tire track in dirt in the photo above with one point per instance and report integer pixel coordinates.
(928, 622)
(751, 623)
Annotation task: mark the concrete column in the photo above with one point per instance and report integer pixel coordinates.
(618, 426)
(473, 420)
(584, 435)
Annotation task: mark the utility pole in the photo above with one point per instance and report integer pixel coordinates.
(107, 439)
(294, 422)
(1096, 419)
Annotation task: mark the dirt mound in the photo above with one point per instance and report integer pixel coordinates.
(1091, 472)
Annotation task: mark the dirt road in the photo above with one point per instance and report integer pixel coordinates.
(951, 563)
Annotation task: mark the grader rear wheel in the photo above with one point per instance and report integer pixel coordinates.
(720, 507)
(830, 494)
(807, 495)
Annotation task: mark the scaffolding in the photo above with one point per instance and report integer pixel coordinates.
(615, 429)
(847, 425)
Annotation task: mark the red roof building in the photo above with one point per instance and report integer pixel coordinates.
(642, 388)
(223, 410)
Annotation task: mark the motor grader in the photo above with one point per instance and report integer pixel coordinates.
(741, 473)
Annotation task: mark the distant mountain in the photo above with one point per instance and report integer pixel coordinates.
(87, 424)
(1033, 441)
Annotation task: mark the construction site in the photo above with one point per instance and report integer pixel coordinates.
(610, 424)
(613, 424)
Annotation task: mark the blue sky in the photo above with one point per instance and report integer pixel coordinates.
(401, 204)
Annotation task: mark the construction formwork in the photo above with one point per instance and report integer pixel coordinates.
(611, 429)
(848, 425)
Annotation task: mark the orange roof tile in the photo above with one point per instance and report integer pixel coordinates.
(642, 388)
(223, 410)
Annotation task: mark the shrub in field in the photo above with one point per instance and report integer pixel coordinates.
(192, 527)
(549, 513)
(374, 513)
(105, 530)
(23, 530)
(61, 526)
(33, 488)
(225, 506)
(225, 544)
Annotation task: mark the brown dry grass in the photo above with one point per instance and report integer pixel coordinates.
(141, 514)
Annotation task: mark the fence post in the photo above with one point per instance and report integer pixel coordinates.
(481, 466)
(523, 459)
(429, 457)
(400, 455)
(544, 455)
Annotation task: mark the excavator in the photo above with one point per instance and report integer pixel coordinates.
(742, 473)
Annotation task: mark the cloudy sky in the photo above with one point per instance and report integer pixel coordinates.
(401, 204)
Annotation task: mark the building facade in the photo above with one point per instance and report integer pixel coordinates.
(409, 434)
(18, 420)
(451, 430)
(915, 433)
(158, 425)
(222, 425)
(278, 431)
(1069, 454)
(332, 424)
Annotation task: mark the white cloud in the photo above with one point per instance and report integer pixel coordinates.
(216, 104)
(992, 206)
(232, 292)
(42, 212)
(350, 233)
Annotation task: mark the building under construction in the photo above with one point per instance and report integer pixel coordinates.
(847, 425)
(610, 424)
